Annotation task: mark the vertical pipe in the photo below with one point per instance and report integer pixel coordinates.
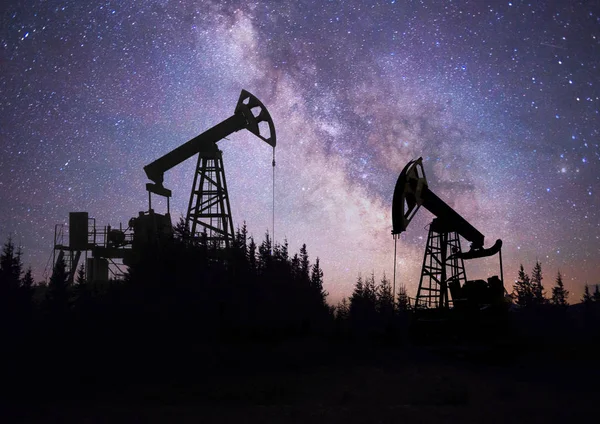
(54, 251)
(273, 212)
(225, 206)
(394, 285)
(501, 270)
(443, 283)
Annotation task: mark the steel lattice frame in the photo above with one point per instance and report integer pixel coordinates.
(438, 270)
(209, 214)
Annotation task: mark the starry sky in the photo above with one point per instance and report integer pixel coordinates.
(500, 98)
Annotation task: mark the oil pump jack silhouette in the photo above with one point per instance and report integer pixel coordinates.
(208, 217)
(443, 283)
(209, 213)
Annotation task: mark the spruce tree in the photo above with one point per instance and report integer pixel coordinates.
(57, 295)
(537, 288)
(295, 265)
(385, 298)
(82, 289)
(596, 296)
(10, 281)
(11, 268)
(587, 298)
(403, 299)
(304, 264)
(265, 257)
(368, 310)
(276, 252)
(342, 310)
(357, 299)
(27, 284)
(239, 252)
(281, 252)
(285, 251)
(371, 292)
(252, 256)
(180, 230)
(522, 288)
(559, 294)
(316, 281)
(241, 239)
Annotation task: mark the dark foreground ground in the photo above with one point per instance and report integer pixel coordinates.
(314, 381)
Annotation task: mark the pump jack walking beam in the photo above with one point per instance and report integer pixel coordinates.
(412, 192)
(249, 114)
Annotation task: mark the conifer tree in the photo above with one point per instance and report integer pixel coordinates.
(57, 294)
(364, 310)
(265, 257)
(82, 289)
(10, 281)
(304, 264)
(343, 310)
(357, 299)
(370, 292)
(23, 299)
(537, 289)
(385, 298)
(403, 300)
(252, 256)
(559, 294)
(27, 284)
(285, 251)
(523, 289)
(280, 261)
(240, 251)
(281, 252)
(596, 296)
(316, 281)
(587, 298)
(180, 230)
(295, 267)
(11, 268)
(276, 256)
(241, 239)
(80, 280)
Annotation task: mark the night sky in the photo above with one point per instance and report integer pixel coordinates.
(501, 99)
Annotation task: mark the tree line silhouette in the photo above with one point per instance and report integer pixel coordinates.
(182, 300)
(179, 300)
(372, 309)
(545, 320)
(529, 291)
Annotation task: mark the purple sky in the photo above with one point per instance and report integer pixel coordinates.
(501, 101)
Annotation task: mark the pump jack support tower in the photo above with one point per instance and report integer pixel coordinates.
(209, 214)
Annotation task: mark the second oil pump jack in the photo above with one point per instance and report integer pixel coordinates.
(208, 217)
(443, 283)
